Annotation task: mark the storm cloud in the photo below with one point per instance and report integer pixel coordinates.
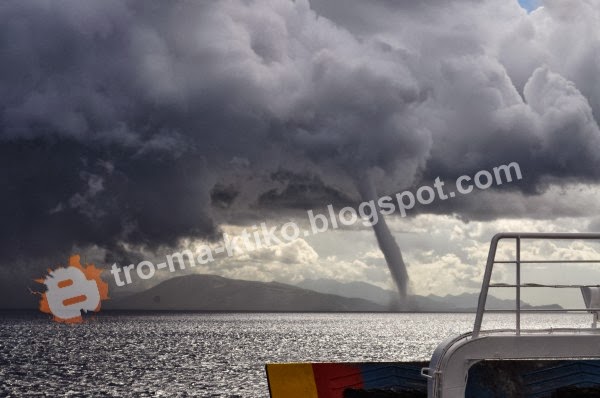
(139, 123)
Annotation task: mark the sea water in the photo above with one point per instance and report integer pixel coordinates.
(212, 354)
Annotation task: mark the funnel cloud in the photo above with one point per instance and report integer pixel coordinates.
(388, 245)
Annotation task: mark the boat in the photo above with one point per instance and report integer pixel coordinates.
(553, 362)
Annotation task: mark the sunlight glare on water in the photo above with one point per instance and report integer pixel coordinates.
(213, 355)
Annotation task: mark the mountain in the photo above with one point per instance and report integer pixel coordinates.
(469, 301)
(215, 293)
(384, 297)
(351, 289)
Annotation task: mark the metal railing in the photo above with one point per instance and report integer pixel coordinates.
(491, 260)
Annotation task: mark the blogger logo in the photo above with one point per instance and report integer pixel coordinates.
(71, 290)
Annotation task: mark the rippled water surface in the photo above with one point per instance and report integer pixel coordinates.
(211, 355)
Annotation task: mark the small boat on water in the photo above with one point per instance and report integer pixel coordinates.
(514, 362)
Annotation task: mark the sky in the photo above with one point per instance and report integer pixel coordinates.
(530, 5)
(129, 130)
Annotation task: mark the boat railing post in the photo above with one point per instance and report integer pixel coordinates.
(486, 284)
(518, 285)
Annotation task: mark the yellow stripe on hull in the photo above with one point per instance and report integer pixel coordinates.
(292, 380)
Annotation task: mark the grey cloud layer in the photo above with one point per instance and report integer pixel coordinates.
(142, 122)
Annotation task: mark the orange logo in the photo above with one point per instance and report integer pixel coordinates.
(71, 290)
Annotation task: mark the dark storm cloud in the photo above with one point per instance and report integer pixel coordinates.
(120, 118)
(502, 85)
(302, 191)
(142, 122)
(59, 193)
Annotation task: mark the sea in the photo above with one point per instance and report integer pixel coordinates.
(213, 354)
